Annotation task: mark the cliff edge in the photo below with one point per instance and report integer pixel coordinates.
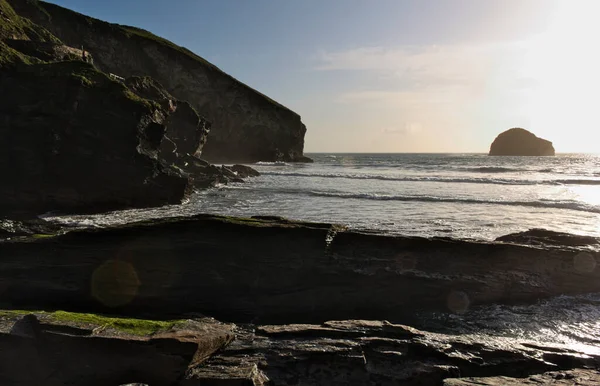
(247, 126)
(520, 142)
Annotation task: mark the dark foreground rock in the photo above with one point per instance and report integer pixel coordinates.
(349, 352)
(358, 352)
(520, 142)
(55, 354)
(581, 377)
(279, 271)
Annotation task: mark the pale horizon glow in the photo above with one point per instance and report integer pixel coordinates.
(399, 75)
(547, 84)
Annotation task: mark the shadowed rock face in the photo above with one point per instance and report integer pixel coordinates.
(77, 140)
(520, 142)
(35, 353)
(74, 140)
(279, 271)
(247, 126)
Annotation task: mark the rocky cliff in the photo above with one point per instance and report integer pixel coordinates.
(278, 271)
(520, 142)
(76, 139)
(247, 126)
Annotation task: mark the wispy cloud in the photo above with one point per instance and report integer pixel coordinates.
(435, 67)
(409, 128)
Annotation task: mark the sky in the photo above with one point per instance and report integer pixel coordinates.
(399, 75)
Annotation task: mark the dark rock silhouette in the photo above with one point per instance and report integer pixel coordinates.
(520, 142)
(281, 271)
(75, 139)
(247, 126)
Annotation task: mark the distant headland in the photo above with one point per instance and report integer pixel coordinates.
(520, 142)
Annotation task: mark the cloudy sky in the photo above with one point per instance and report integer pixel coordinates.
(395, 75)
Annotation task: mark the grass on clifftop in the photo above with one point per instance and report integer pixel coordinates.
(126, 325)
(12, 26)
(69, 16)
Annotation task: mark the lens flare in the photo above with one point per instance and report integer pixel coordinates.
(115, 283)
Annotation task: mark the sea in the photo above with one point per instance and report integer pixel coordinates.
(465, 196)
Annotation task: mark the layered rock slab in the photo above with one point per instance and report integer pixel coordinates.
(366, 352)
(280, 271)
(35, 353)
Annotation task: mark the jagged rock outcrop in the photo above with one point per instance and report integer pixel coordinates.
(77, 140)
(74, 140)
(244, 171)
(363, 352)
(247, 125)
(279, 271)
(203, 351)
(520, 142)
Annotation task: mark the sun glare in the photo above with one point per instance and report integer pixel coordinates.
(564, 66)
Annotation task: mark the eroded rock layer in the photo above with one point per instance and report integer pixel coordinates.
(206, 352)
(275, 270)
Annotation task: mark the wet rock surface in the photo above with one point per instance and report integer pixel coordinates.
(545, 238)
(244, 171)
(343, 352)
(583, 377)
(358, 352)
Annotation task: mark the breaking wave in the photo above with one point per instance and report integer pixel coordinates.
(495, 181)
(570, 205)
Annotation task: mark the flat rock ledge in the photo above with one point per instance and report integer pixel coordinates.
(269, 270)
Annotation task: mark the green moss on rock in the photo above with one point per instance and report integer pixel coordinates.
(126, 325)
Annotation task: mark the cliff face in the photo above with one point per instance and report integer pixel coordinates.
(520, 142)
(247, 126)
(74, 140)
(78, 140)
